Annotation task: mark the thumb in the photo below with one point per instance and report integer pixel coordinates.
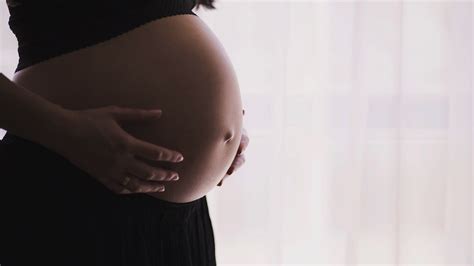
(129, 114)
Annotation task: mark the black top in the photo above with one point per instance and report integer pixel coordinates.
(45, 29)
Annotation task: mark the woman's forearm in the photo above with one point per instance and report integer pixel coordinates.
(30, 116)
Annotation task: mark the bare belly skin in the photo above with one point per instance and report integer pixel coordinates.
(174, 63)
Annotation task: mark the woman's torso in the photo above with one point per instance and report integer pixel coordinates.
(173, 63)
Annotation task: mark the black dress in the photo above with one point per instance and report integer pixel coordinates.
(53, 213)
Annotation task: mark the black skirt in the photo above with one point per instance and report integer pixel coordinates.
(53, 213)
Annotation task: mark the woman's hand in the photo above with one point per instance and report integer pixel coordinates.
(95, 142)
(239, 159)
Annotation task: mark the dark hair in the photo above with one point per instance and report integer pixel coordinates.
(207, 3)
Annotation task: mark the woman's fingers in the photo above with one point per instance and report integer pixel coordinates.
(154, 152)
(237, 163)
(130, 114)
(244, 141)
(130, 184)
(136, 185)
(149, 173)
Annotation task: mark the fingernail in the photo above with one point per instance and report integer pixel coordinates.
(161, 189)
(180, 158)
(176, 177)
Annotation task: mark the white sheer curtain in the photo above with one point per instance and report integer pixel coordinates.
(360, 118)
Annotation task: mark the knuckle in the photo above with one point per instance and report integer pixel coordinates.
(151, 175)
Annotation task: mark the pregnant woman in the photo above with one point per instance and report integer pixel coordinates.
(87, 175)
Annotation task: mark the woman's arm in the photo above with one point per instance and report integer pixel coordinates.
(30, 116)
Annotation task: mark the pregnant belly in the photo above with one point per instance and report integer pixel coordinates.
(175, 64)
